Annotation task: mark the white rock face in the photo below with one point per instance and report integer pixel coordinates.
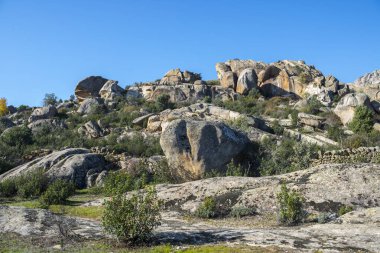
(247, 81)
(369, 79)
(345, 109)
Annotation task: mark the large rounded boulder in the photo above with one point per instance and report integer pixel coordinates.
(74, 164)
(345, 109)
(89, 87)
(195, 148)
(247, 81)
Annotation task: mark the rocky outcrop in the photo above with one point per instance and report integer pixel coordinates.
(368, 84)
(93, 129)
(372, 78)
(345, 108)
(46, 112)
(194, 148)
(44, 224)
(325, 188)
(72, 164)
(279, 78)
(176, 76)
(43, 124)
(247, 81)
(89, 87)
(89, 105)
(111, 90)
(310, 120)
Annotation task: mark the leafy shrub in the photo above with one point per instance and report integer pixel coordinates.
(313, 105)
(235, 170)
(241, 211)
(207, 209)
(277, 128)
(17, 136)
(117, 183)
(362, 121)
(291, 206)
(345, 209)
(32, 184)
(335, 133)
(163, 102)
(132, 219)
(287, 156)
(294, 117)
(240, 124)
(8, 188)
(57, 192)
(213, 82)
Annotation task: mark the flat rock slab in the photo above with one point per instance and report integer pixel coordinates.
(361, 235)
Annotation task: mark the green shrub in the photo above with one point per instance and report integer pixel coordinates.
(313, 105)
(207, 209)
(117, 183)
(235, 170)
(8, 188)
(294, 117)
(57, 192)
(133, 219)
(241, 211)
(362, 121)
(286, 156)
(277, 128)
(32, 184)
(163, 103)
(290, 206)
(17, 136)
(335, 133)
(50, 99)
(345, 209)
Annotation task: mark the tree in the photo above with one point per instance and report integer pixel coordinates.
(291, 206)
(362, 121)
(163, 102)
(3, 107)
(50, 99)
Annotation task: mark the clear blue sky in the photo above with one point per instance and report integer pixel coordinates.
(48, 46)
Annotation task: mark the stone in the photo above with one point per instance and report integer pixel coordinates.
(325, 188)
(372, 78)
(332, 84)
(247, 81)
(89, 104)
(89, 87)
(140, 120)
(69, 164)
(111, 90)
(376, 126)
(194, 148)
(46, 112)
(345, 109)
(43, 224)
(42, 124)
(310, 120)
(91, 129)
(176, 76)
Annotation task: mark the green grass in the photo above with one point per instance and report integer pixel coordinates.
(72, 207)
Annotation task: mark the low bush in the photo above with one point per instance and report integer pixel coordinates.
(57, 192)
(8, 188)
(344, 209)
(362, 121)
(235, 170)
(207, 209)
(277, 128)
(133, 219)
(241, 211)
(290, 206)
(335, 133)
(117, 183)
(17, 136)
(32, 184)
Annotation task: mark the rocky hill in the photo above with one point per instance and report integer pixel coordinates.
(234, 140)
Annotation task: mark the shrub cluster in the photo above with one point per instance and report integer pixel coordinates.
(57, 192)
(133, 219)
(290, 206)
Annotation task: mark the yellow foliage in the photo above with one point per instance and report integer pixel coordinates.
(3, 107)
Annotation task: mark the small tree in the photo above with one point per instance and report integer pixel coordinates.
(50, 99)
(163, 102)
(3, 107)
(132, 219)
(291, 206)
(362, 121)
(57, 192)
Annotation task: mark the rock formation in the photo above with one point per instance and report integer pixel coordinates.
(89, 87)
(73, 164)
(345, 108)
(46, 112)
(194, 148)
